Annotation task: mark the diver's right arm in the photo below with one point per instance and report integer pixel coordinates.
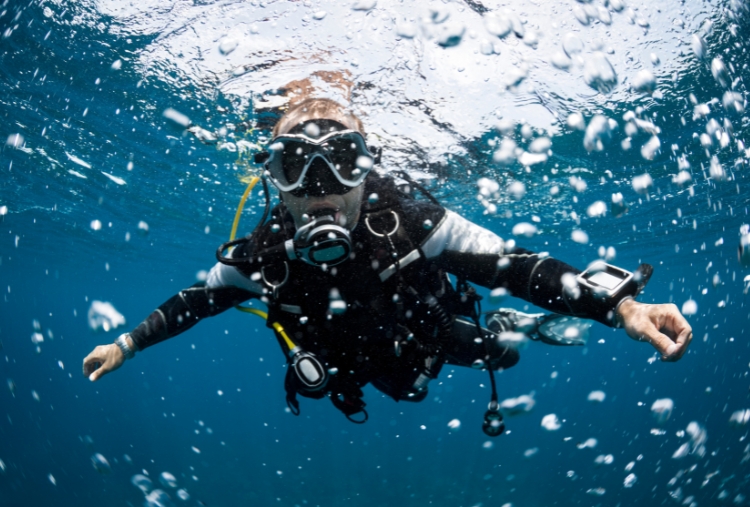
(224, 288)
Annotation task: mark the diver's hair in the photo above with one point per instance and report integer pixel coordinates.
(317, 109)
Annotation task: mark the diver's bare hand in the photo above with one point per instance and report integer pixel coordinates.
(102, 360)
(663, 326)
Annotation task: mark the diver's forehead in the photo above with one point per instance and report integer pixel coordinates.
(317, 127)
(332, 121)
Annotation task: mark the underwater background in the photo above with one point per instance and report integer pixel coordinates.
(614, 129)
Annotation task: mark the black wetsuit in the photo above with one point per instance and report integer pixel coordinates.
(386, 315)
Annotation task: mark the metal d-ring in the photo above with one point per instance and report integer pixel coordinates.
(275, 287)
(388, 234)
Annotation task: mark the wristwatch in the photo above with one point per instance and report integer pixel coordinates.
(121, 342)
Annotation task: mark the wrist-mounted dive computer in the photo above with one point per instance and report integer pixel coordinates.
(606, 285)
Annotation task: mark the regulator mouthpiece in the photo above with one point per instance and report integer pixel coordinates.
(320, 243)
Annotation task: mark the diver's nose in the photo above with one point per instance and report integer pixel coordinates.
(320, 179)
(315, 176)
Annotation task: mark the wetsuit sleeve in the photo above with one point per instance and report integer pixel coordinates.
(480, 256)
(183, 310)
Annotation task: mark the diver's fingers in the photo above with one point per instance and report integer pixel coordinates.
(102, 360)
(682, 341)
(670, 318)
(661, 342)
(94, 360)
(678, 327)
(105, 368)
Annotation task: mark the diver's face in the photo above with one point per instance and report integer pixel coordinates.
(344, 207)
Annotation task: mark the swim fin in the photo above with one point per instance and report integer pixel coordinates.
(552, 329)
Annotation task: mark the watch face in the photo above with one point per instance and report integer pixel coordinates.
(605, 280)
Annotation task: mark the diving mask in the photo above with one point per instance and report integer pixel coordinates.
(331, 164)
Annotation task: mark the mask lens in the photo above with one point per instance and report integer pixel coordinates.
(343, 155)
(349, 156)
(294, 156)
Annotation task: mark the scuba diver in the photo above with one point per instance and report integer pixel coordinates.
(354, 271)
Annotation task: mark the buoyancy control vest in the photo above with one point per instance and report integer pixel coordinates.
(381, 317)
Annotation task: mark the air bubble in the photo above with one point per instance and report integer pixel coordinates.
(572, 44)
(720, 72)
(603, 459)
(733, 102)
(689, 307)
(520, 405)
(644, 82)
(157, 498)
(642, 183)
(740, 418)
(177, 117)
(560, 60)
(103, 316)
(629, 481)
(312, 130)
(498, 24)
(597, 209)
(550, 422)
(662, 409)
(699, 46)
(570, 285)
(15, 141)
(524, 229)
(599, 74)
(580, 236)
(517, 190)
(651, 148)
(597, 396)
(168, 480)
(598, 132)
(497, 295)
(540, 145)
(716, 170)
(364, 5)
(590, 443)
(101, 464)
(576, 121)
(142, 482)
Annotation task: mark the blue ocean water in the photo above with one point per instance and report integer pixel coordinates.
(90, 156)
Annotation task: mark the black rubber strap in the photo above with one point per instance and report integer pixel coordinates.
(350, 405)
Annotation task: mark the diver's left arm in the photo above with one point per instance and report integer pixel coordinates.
(480, 256)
